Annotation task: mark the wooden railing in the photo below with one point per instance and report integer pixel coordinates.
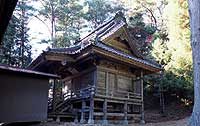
(117, 93)
(82, 93)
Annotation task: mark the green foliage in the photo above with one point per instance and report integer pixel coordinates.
(100, 10)
(70, 18)
(175, 53)
(17, 50)
(65, 17)
(167, 21)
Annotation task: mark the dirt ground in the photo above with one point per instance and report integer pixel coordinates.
(182, 122)
(175, 115)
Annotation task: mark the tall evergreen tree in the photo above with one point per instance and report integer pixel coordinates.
(16, 43)
(100, 10)
(65, 19)
(194, 6)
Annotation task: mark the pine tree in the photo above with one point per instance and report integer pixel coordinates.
(100, 10)
(17, 50)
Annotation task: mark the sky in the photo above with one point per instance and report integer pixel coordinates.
(38, 31)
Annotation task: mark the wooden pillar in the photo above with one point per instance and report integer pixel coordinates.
(95, 78)
(142, 94)
(125, 113)
(105, 121)
(106, 84)
(75, 113)
(91, 111)
(82, 121)
(76, 118)
(93, 90)
(54, 95)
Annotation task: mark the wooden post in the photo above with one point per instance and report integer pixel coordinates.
(125, 113)
(75, 113)
(105, 121)
(57, 119)
(82, 121)
(91, 111)
(76, 117)
(95, 78)
(106, 84)
(54, 95)
(142, 94)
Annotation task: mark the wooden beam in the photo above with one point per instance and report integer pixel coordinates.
(79, 74)
(73, 70)
(117, 72)
(118, 101)
(117, 114)
(59, 57)
(142, 93)
(118, 98)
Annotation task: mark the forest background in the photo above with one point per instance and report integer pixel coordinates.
(161, 29)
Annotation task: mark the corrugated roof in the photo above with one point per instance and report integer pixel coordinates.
(15, 69)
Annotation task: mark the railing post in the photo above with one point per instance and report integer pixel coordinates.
(91, 111)
(128, 95)
(105, 122)
(82, 121)
(125, 113)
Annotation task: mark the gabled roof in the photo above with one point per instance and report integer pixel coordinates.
(95, 39)
(99, 34)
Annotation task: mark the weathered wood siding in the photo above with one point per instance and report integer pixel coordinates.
(119, 45)
(23, 98)
(101, 79)
(137, 86)
(124, 83)
(118, 41)
(112, 77)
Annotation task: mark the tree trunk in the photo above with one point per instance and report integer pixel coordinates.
(194, 13)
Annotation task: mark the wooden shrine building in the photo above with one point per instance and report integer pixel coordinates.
(102, 76)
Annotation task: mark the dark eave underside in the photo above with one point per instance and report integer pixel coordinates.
(105, 51)
(125, 58)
